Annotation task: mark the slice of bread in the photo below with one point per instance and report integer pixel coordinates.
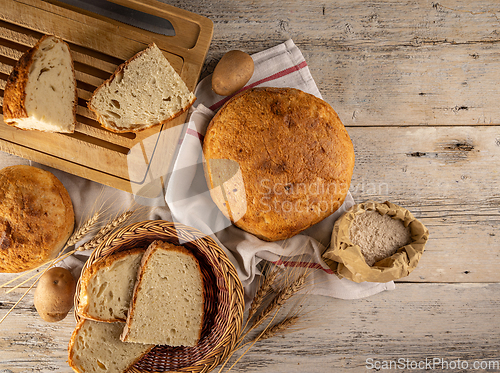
(95, 347)
(167, 305)
(143, 92)
(40, 93)
(106, 286)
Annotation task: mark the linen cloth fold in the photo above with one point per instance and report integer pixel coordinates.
(189, 201)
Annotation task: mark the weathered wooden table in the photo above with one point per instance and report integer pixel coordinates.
(416, 84)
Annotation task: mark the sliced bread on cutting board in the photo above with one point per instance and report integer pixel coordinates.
(40, 93)
(144, 91)
(106, 286)
(167, 304)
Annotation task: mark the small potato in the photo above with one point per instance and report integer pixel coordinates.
(54, 294)
(232, 72)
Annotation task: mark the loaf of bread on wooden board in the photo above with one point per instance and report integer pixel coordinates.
(106, 286)
(144, 91)
(167, 305)
(36, 217)
(40, 93)
(95, 347)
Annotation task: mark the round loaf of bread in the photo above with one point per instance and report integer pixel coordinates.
(277, 161)
(36, 217)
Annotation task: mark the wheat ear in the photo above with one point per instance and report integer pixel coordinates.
(262, 292)
(104, 231)
(280, 299)
(280, 327)
(84, 229)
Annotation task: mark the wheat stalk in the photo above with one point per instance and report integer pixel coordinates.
(280, 327)
(106, 230)
(290, 289)
(82, 231)
(31, 287)
(21, 276)
(281, 298)
(262, 292)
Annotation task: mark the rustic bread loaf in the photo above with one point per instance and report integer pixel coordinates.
(278, 160)
(95, 347)
(378, 236)
(143, 92)
(167, 305)
(36, 217)
(106, 286)
(40, 93)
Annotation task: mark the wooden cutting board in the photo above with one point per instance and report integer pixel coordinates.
(136, 163)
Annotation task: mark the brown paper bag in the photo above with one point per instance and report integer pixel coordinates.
(346, 259)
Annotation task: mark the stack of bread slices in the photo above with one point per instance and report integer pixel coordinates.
(133, 300)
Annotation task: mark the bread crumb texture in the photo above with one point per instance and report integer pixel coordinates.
(40, 93)
(95, 347)
(143, 92)
(107, 286)
(167, 305)
(378, 236)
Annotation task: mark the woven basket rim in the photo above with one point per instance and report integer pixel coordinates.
(223, 328)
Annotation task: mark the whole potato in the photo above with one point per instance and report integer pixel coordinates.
(232, 72)
(54, 294)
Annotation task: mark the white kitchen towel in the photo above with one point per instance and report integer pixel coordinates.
(89, 197)
(190, 203)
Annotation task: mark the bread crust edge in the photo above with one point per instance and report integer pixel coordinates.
(71, 344)
(14, 101)
(89, 273)
(113, 76)
(155, 245)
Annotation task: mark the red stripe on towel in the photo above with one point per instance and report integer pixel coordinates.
(194, 133)
(291, 263)
(278, 75)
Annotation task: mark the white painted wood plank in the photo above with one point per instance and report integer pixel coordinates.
(387, 62)
(414, 321)
(448, 177)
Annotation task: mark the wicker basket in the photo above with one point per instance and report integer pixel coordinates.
(224, 304)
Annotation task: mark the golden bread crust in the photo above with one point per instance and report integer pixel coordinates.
(14, 101)
(36, 217)
(152, 248)
(90, 272)
(141, 127)
(15, 88)
(73, 340)
(295, 161)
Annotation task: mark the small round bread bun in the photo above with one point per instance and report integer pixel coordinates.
(36, 217)
(277, 161)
